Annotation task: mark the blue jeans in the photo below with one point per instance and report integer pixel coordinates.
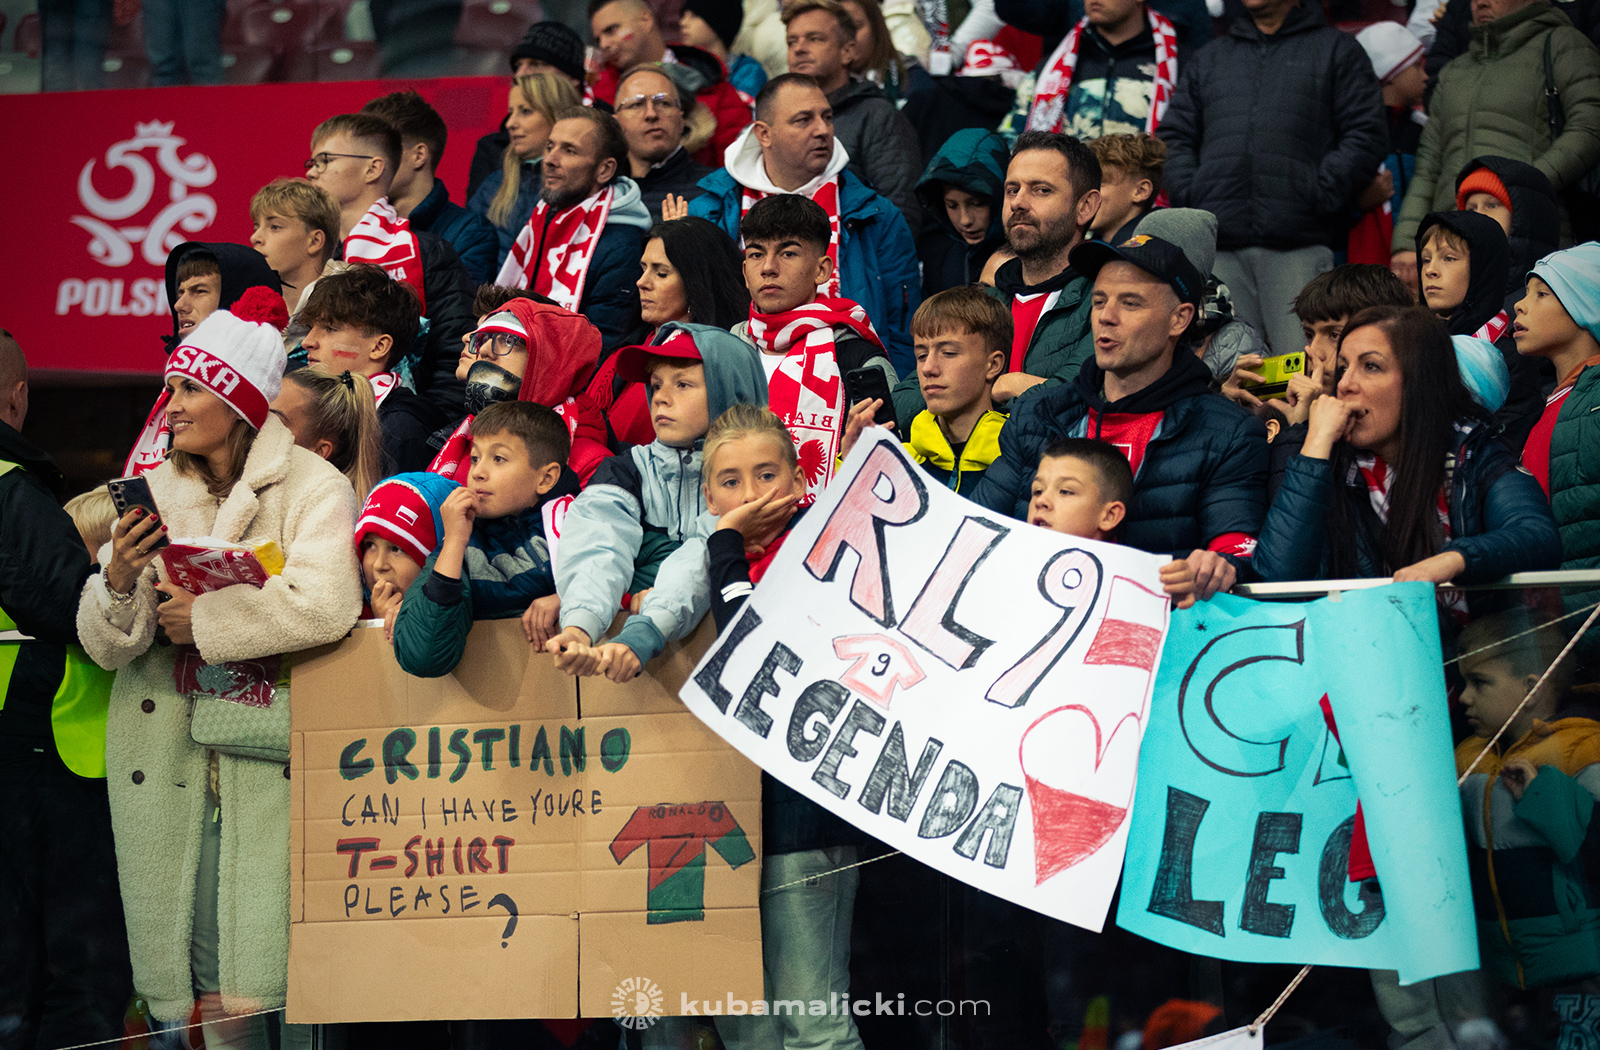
(805, 950)
(184, 41)
(75, 33)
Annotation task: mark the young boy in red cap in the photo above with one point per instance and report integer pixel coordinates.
(398, 529)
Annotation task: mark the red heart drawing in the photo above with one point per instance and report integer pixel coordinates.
(1073, 769)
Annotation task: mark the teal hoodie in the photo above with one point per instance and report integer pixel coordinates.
(647, 500)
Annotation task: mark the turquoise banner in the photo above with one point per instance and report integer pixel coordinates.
(1246, 801)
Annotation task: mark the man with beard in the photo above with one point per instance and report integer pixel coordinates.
(1052, 191)
(581, 246)
(653, 114)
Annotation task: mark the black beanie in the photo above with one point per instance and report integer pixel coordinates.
(724, 16)
(554, 43)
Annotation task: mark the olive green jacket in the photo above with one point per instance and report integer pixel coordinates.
(1490, 103)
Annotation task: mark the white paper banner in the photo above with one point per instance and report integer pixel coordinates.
(966, 688)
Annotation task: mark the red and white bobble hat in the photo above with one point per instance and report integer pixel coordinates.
(986, 58)
(237, 354)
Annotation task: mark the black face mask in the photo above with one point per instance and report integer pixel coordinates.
(488, 383)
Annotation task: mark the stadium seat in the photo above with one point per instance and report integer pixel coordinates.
(247, 65)
(283, 27)
(30, 36)
(495, 24)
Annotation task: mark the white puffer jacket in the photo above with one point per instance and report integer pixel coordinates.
(156, 773)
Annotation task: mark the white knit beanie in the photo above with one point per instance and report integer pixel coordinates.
(237, 354)
(1391, 47)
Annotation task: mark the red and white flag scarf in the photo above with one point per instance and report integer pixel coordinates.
(827, 196)
(566, 244)
(383, 238)
(150, 448)
(1050, 99)
(807, 390)
(382, 385)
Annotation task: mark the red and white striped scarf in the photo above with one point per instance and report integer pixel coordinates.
(566, 244)
(383, 238)
(827, 196)
(1494, 327)
(1050, 99)
(807, 390)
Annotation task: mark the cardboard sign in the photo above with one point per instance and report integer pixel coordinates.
(1240, 847)
(487, 845)
(969, 689)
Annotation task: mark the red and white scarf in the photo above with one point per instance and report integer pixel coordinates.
(827, 196)
(1050, 99)
(807, 390)
(384, 239)
(1494, 327)
(150, 448)
(1379, 479)
(566, 246)
(383, 385)
(454, 460)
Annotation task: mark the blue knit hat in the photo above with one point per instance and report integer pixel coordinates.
(1574, 275)
(1483, 371)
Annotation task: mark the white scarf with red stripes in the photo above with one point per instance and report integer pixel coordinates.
(827, 196)
(1049, 111)
(383, 238)
(567, 246)
(1494, 327)
(807, 390)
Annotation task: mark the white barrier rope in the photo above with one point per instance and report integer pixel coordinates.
(1594, 613)
(179, 1028)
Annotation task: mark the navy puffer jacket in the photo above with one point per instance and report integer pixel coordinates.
(1499, 520)
(1275, 135)
(1204, 474)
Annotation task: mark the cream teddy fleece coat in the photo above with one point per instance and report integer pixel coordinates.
(156, 773)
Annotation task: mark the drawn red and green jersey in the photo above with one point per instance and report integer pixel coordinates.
(677, 837)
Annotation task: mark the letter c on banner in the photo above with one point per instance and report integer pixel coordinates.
(1224, 655)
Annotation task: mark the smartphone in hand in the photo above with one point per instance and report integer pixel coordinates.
(128, 493)
(864, 384)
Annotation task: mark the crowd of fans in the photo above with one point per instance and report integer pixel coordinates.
(1284, 303)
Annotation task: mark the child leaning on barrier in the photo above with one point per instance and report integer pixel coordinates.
(1529, 807)
(493, 559)
(639, 528)
(753, 484)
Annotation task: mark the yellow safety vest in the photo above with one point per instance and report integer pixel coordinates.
(78, 711)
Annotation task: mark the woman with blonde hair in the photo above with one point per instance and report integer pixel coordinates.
(334, 416)
(507, 197)
(202, 830)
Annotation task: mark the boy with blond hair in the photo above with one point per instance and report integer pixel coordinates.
(295, 227)
(1130, 182)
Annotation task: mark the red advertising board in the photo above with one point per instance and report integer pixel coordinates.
(104, 183)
